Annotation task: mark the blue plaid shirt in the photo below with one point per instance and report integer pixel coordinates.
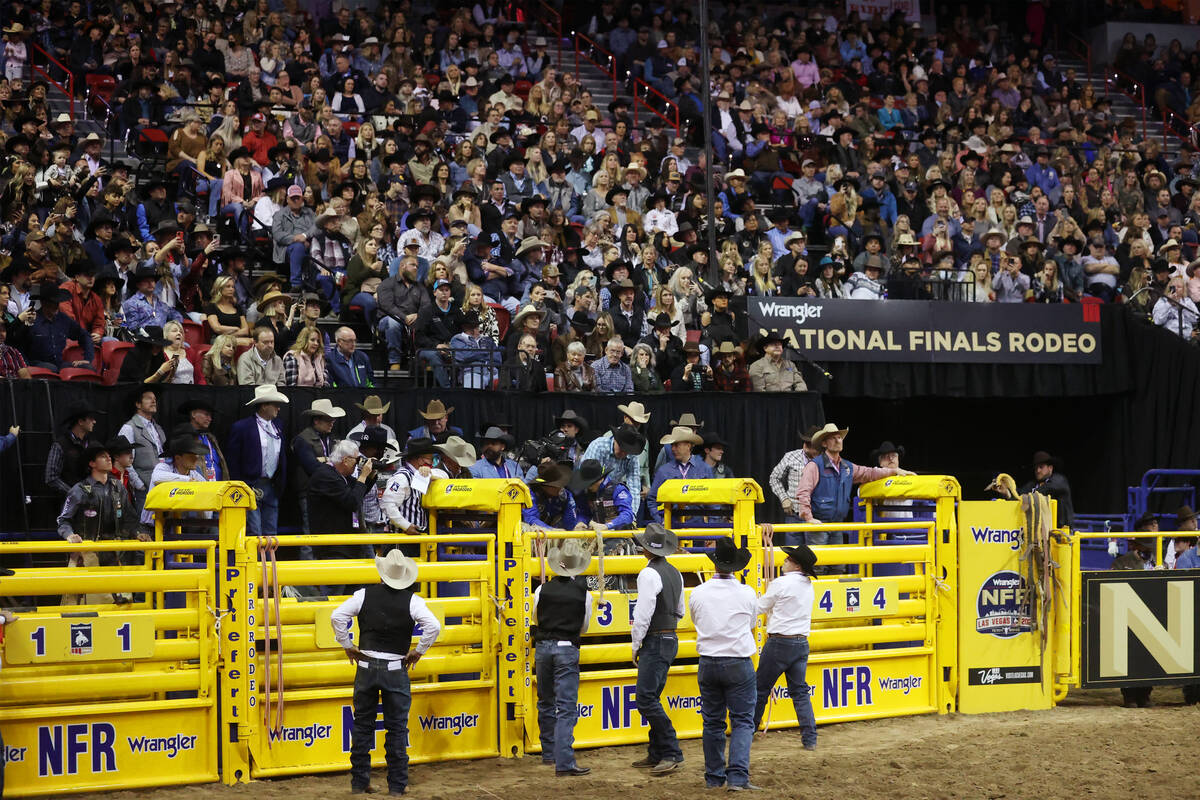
(612, 378)
(626, 470)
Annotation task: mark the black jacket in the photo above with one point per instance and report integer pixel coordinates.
(333, 501)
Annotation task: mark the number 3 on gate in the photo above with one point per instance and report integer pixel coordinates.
(606, 617)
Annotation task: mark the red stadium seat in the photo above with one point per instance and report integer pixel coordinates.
(73, 352)
(194, 334)
(196, 356)
(521, 89)
(351, 128)
(693, 335)
(80, 375)
(42, 372)
(112, 354)
(502, 317)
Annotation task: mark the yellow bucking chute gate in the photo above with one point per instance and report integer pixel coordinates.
(208, 655)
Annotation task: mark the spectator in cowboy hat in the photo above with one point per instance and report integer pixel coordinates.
(456, 453)
(183, 458)
(258, 456)
(714, 448)
(655, 643)
(723, 611)
(683, 465)
(788, 604)
(562, 608)
(773, 372)
(374, 444)
(889, 455)
(387, 613)
(692, 375)
(373, 409)
(1175, 549)
(686, 420)
(437, 423)
(575, 427)
(492, 462)
(823, 494)
(65, 466)
(1049, 480)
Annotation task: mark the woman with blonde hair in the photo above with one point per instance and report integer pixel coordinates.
(304, 362)
(983, 280)
(597, 340)
(664, 303)
(535, 168)
(688, 296)
(762, 284)
(176, 347)
(596, 201)
(473, 300)
(218, 363)
(222, 313)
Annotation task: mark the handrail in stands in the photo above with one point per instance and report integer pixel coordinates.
(1114, 80)
(610, 71)
(68, 89)
(638, 83)
(554, 14)
(1084, 51)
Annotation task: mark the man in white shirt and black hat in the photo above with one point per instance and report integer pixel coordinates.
(387, 614)
(562, 608)
(723, 611)
(655, 643)
(788, 605)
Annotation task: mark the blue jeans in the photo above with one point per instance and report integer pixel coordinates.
(294, 254)
(264, 520)
(654, 659)
(368, 305)
(787, 657)
(727, 687)
(394, 333)
(433, 358)
(213, 188)
(816, 538)
(557, 668)
(784, 539)
(375, 684)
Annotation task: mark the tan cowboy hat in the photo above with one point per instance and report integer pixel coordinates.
(458, 449)
(1167, 245)
(818, 438)
(267, 393)
(728, 349)
(373, 405)
(529, 243)
(737, 173)
(523, 313)
(324, 408)
(436, 410)
(270, 298)
(680, 434)
(396, 570)
(635, 167)
(16, 28)
(906, 240)
(568, 557)
(636, 412)
(995, 232)
(687, 420)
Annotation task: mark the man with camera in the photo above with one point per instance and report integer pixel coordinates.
(334, 499)
(1010, 284)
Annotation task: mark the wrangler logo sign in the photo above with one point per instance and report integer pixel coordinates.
(1141, 628)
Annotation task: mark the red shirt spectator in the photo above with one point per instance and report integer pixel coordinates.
(85, 307)
(12, 363)
(258, 140)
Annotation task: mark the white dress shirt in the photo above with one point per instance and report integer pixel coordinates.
(649, 584)
(270, 442)
(164, 472)
(789, 602)
(343, 614)
(723, 613)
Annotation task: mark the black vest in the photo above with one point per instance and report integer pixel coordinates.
(562, 602)
(74, 468)
(385, 623)
(665, 617)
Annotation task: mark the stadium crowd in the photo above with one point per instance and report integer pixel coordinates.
(436, 182)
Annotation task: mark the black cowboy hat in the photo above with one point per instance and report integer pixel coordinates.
(313, 297)
(583, 325)
(570, 416)
(195, 404)
(614, 266)
(77, 411)
(589, 472)
(426, 190)
(630, 439)
(93, 450)
(18, 264)
(120, 444)
(715, 292)
(713, 439)
(418, 446)
(494, 433)
(802, 555)
(184, 445)
(50, 292)
(150, 334)
(1144, 521)
(552, 474)
(884, 449)
(278, 182)
(499, 134)
(1042, 457)
(613, 192)
(767, 338)
(728, 557)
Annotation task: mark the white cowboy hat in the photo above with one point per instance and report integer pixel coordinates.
(568, 557)
(459, 449)
(830, 429)
(636, 412)
(396, 570)
(523, 313)
(324, 408)
(681, 434)
(267, 393)
(529, 243)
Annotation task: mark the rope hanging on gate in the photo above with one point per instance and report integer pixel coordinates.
(600, 567)
(276, 596)
(769, 573)
(267, 545)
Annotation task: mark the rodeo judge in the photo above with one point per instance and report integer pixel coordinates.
(655, 643)
(387, 613)
(562, 608)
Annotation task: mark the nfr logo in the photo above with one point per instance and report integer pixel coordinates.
(1003, 607)
(840, 683)
(81, 639)
(853, 603)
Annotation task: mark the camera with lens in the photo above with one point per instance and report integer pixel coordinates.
(555, 446)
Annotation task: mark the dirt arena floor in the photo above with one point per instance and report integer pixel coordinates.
(1089, 747)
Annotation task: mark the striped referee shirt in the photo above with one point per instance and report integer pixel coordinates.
(401, 504)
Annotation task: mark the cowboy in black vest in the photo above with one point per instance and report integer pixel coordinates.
(387, 613)
(562, 608)
(64, 463)
(312, 446)
(655, 643)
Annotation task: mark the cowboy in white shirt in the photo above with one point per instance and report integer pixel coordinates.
(723, 611)
(788, 605)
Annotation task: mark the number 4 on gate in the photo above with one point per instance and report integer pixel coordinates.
(846, 598)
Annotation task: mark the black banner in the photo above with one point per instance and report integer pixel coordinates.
(998, 676)
(1140, 628)
(931, 332)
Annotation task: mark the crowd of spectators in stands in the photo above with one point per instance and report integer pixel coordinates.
(438, 183)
